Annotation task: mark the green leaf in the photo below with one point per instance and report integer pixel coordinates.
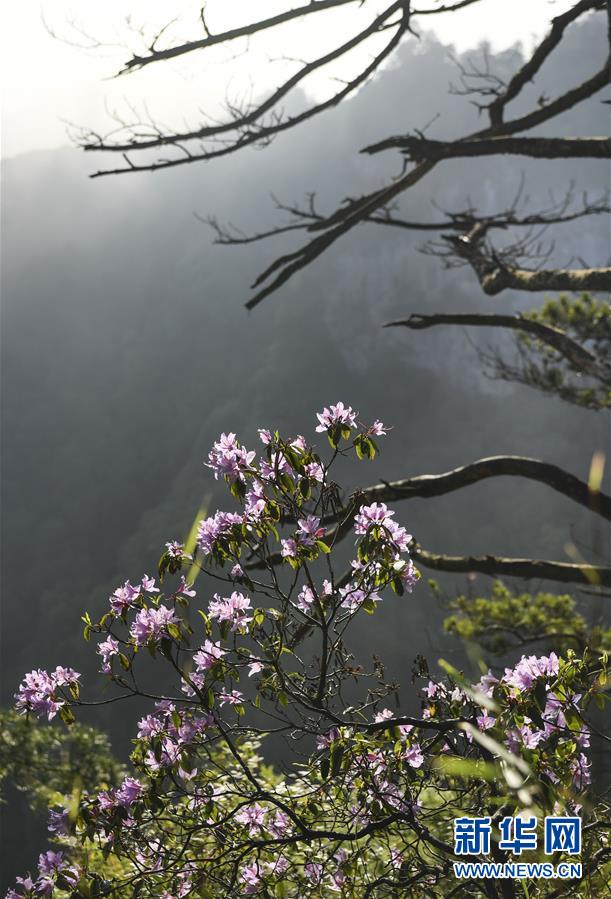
(337, 754)
(65, 713)
(174, 631)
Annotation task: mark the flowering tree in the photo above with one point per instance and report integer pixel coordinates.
(365, 802)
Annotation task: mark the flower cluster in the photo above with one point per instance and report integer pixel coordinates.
(335, 415)
(210, 530)
(44, 693)
(228, 459)
(54, 870)
(533, 709)
(151, 625)
(231, 609)
(126, 597)
(378, 519)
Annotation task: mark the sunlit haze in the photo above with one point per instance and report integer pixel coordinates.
(50, 82)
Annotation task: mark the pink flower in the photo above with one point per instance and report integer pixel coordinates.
(334, 415)
(279, 825)
(409, 576)
(208, 655)
(378, 429)
(312, 870)
(323, 741)
(309, 530)
(184, 588)
(529, 669)
(379, 515)
(150, 625)
(255, 503)
(396, 859)
(278, 464)
(485, 721)
(305, 600)
(251, 877)
(233, 698)
(228, 459)
(253, 816)
(107, 649)
(129, 791)
(431, 689)
(123, 598)
(38, 691)
(232, 609)
(148, 584)
(353, 597)
(314, 470)
(211, 529)
(580, 768)
(176, 550)
(486, 684)
(51, 865)
(59, 822)
(150, 726)
(278, 866)
(289, 548)
(414, 756)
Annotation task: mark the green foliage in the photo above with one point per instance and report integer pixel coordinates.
(585, 318)
(505, 620)
(47, 762)
(588, 321)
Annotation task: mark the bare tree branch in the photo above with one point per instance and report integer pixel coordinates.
(338, 224)
(211, 40)
(424, 486)
(418, 148)
(303, 218)
(563, 572)
(495, 275)
(247, 125)
(224, 37)
(260, 121)
(527, 72)
(580, 357)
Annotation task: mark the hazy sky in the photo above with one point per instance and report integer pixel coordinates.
(48, 82)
